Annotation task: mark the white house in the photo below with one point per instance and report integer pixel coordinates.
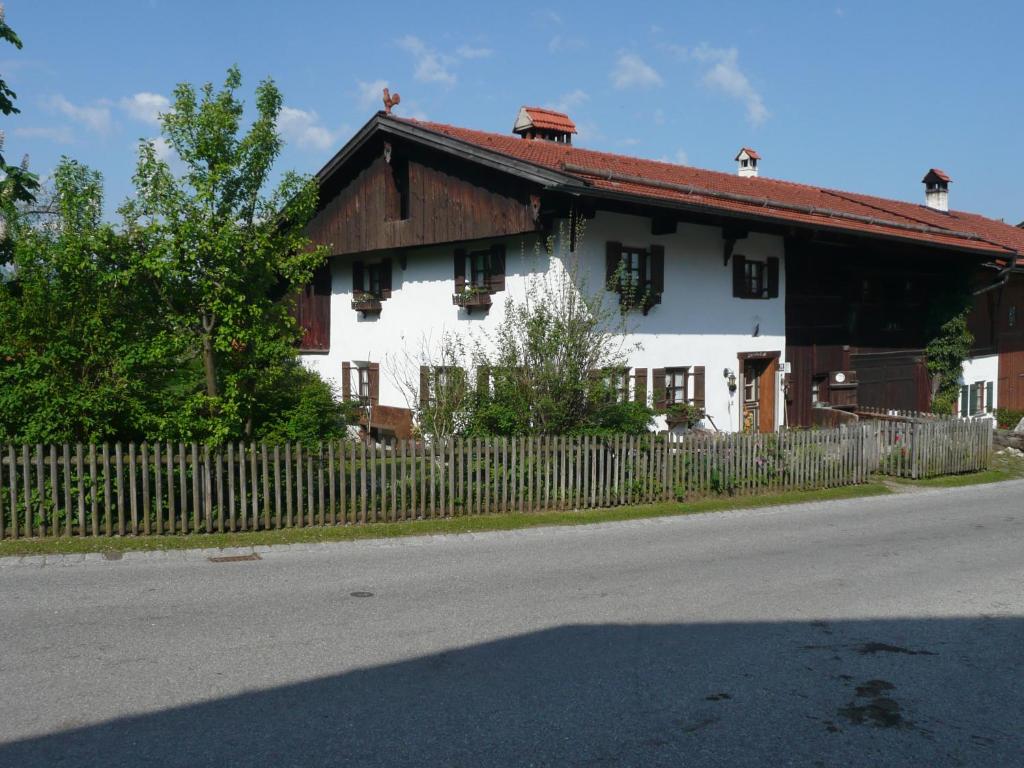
(768, 296)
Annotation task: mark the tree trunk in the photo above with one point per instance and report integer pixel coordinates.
(210, 366)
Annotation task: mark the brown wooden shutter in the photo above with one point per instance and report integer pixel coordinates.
(424, 386)
(357, 276)
(496, 273)
(460, 270)
(698, 386)
(739, 270)
(612, 259)
(657, 269)
(346, 381)
(773, 277)
(374, 377)
(658, 385)
(640, 386)
(313, 311)
(385, 279)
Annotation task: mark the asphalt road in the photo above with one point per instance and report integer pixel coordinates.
(875, 632)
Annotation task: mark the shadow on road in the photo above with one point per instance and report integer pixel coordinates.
(847, 693)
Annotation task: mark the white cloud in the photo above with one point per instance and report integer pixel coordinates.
(469, 52)
(96, 117)
(681, 157)
(145, 107)
(431, 66)
(725, 75)
(631, 71)
(547, 16)
(304, 128)
(569, 101)
(163, 149)
(60, 134)
(371, 92)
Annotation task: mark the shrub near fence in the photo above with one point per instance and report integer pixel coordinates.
(164, 488)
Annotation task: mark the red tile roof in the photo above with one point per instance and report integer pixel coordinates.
(758, 196)
(750, 153)
(548, 119)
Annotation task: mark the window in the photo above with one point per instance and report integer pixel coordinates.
(636, 274)
(447, 383)
(479, 272)
(676, 385)
(363, 382)
(754, 279)
(478, 268)
(818, 389)
(360, 380)
(754, 282)
(371, 281)
(616, 383)
(977, 398)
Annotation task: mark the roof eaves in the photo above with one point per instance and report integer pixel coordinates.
(827, 224)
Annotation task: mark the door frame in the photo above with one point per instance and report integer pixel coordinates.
(768, 395)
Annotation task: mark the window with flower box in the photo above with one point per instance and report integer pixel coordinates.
(479, 274)
(637, 274)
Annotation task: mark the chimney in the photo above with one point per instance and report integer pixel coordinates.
(936, 189)
(747, 163)
(540, 123)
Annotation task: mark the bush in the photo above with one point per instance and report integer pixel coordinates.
(1008, 418)
(301, 406)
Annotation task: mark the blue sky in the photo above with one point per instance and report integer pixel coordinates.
(864, 96)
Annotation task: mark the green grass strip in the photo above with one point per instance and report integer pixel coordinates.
(499, 522)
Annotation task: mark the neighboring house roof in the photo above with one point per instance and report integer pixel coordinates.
(548, 119)
(760, 197)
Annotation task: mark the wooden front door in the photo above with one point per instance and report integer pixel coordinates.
(757, 391)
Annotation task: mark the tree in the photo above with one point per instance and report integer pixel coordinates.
(77, 358)
(554, 365)
(218, 251)
(17, 184)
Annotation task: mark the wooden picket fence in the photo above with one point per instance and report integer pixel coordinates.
(158, 489)
(919, 448)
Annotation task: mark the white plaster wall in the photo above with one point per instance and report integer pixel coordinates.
(982, 368)
(698, 322)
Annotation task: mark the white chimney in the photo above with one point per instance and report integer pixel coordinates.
(936, 189)
(747, 162)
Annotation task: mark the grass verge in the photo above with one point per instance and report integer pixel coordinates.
(499, 522)
(1004, 467)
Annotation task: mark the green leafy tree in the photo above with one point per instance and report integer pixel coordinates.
(220, 252)
(951, 341)
(77, 353)
(18, 184)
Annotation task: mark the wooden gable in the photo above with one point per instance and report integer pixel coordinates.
(394, 194)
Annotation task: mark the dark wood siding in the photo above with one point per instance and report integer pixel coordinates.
(849, 307)
(448, 201)
(1009, 325)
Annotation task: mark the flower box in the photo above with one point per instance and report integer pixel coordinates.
(365, 303)
(470, 300)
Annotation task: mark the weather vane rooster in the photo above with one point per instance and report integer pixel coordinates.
(390, 101)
